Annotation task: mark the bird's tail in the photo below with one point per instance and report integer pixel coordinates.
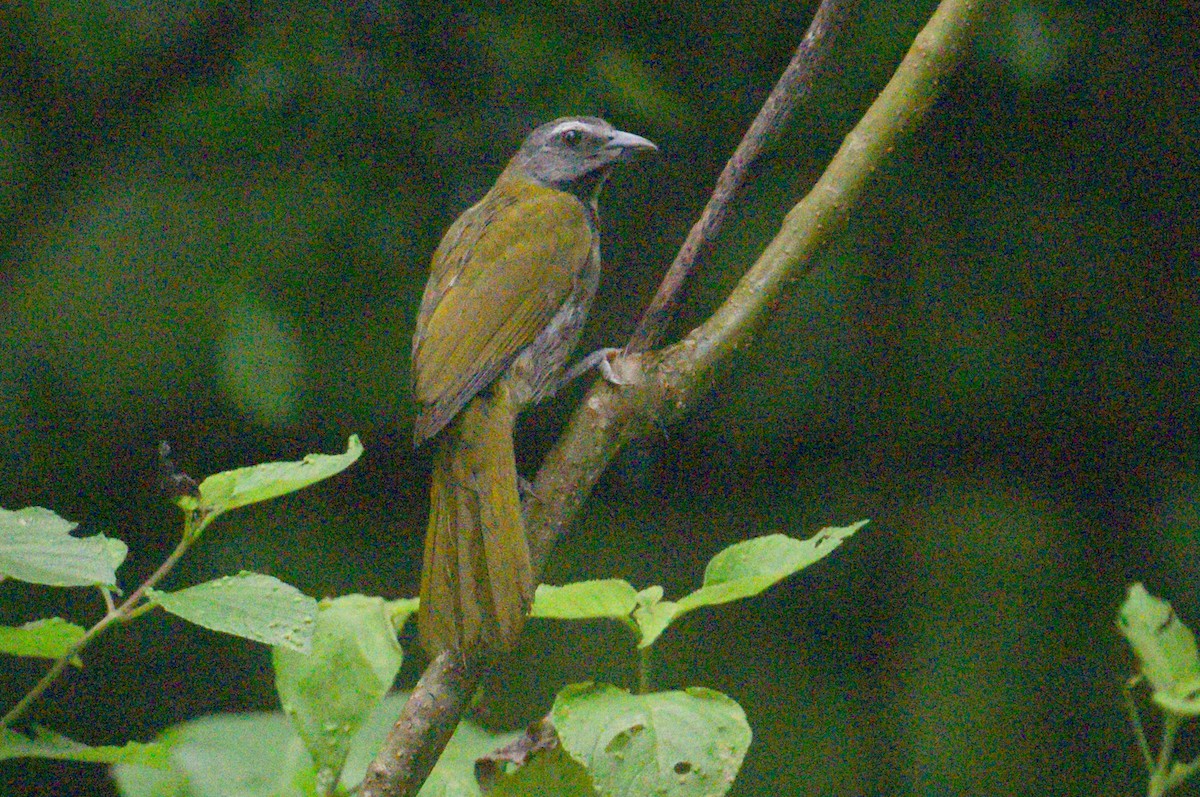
(476, 582)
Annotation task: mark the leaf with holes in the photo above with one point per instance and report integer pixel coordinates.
(680, 744)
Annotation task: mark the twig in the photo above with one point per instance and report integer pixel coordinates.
(610, 416)
(121, 613)
(793, 85)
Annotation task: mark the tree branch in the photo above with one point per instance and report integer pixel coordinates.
(667, 382)
(793, 85)
(423, 730)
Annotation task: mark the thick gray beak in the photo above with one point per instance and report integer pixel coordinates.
(629, 144)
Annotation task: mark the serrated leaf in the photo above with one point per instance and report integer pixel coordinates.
(611, 597)
(51, 638)
(234, 488)
(329, 692)
(36, 546)
(47, 744)
(1166, 650)
(689, 744)
(249, 605)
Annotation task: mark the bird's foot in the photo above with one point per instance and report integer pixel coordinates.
(612, 364)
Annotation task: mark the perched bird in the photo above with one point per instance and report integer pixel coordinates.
(508, 292)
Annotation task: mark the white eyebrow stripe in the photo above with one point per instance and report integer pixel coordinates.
(573, 124)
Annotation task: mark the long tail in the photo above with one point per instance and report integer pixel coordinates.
(476, 582)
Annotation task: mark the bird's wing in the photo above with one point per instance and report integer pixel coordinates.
(501, 272)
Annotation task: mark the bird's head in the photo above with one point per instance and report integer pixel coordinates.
(576, 152)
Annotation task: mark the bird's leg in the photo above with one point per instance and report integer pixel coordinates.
(601, 358)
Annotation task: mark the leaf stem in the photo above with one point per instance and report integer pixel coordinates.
(645, 665)
(56, 669)
(1135, 720)
(1159, 778)
(126, 611)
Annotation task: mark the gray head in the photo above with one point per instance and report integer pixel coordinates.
(575, 152)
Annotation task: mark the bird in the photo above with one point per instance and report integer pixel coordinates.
(509, 289)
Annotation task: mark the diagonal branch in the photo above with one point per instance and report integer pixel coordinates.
(793, 85)
(423, 729)
(666, 382)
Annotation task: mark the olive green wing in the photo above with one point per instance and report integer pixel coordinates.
(502, 271)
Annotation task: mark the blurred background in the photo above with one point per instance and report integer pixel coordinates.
(215, 224)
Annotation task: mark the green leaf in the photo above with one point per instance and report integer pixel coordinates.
(688, 743)
(653, 614)
(1166, 649)
(226, 755)
(747, 568)
(740, 571)
(234, 488)
(401, 609)
(611, 597)
(48, 639)
(36, 546)
(261, 755)
(249, 605)
(329, 692)
(454, 774)
(47, 744)
(116, 550)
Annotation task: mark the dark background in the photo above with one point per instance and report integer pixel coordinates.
(215, 224)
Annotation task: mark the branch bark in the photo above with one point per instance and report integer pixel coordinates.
(665, 383)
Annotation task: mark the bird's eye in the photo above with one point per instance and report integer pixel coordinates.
(572, 137)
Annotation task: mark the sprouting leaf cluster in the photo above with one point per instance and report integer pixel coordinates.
(1170, 665)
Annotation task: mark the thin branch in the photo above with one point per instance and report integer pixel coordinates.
(668, 381)
(113, 615)
(793, 85)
